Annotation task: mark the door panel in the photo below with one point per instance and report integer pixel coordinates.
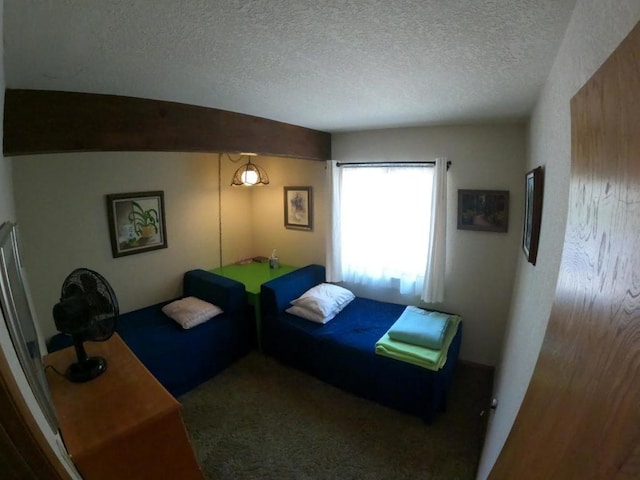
(580, 418)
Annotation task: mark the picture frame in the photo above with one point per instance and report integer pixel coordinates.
(298, 208)
(136, 222)
(483, 210)
(534, 185)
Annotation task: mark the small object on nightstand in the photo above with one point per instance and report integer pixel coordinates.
(273, 260)
(244, 261)
(260, 259)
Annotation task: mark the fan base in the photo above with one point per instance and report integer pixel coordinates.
(86, 370)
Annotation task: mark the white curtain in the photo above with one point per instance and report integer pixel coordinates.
(433, 289)
(334, 240)
(379, 228)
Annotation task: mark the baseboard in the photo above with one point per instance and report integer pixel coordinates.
(476, 365)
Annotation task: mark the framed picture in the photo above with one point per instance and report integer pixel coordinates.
(532, 213)
(136, 222)
(298, 208)
(483, 210)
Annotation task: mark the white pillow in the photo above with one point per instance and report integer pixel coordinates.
(323, 302)
(191, 311)
(308, 314)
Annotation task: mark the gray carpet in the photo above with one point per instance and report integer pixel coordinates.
(262, 420)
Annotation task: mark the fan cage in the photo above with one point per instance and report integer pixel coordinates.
(103, 303)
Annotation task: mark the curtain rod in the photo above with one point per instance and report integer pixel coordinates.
(387, 164)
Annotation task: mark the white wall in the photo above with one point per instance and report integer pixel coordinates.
(8, 213)
(295, 247)
(7, 207)
(595, 30)
(480, 265)
(62, 216)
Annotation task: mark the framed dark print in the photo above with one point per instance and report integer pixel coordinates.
(298, 208)
(532, 213)
(483, 210)
(136, 222)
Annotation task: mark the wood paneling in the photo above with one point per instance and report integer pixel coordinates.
(12, 463)
(580, 418)
(39, 121)
(27, 452)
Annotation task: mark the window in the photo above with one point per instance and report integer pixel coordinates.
(383, 225)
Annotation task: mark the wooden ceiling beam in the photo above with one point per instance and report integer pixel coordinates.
(43, 121)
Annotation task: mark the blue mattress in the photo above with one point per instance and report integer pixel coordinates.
(342, 351)
(182, 359)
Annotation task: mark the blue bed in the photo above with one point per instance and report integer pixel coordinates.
(342, 351)
(183, 359)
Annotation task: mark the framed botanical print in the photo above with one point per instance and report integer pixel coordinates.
(298, 208)
(136, 222)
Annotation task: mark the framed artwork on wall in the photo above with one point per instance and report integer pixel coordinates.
(534, 181)
(136, 222)
(483, 210)
(298, 208)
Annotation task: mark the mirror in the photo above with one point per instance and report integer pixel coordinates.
(20, 322)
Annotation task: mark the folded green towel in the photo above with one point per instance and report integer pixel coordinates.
(420, 327)
(417, 355)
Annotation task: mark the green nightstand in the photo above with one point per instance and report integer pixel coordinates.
(253, 275)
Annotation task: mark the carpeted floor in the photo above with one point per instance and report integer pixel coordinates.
(262, 420)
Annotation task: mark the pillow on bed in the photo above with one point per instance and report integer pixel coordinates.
(321, 303)
(191, 311)
(309, 314)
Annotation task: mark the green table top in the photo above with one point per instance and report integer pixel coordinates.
(253, 274)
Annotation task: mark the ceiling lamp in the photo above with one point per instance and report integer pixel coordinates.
(250, 174)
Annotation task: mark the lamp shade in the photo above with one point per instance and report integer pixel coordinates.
(250, 174)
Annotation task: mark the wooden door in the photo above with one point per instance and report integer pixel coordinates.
(580, 418)
(25, 453)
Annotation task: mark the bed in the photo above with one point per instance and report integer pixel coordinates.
(342, 352)
(183, 359)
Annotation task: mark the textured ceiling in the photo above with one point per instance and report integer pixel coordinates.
(329, 65)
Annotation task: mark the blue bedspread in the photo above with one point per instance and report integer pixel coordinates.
(183, 359)
(342, 351)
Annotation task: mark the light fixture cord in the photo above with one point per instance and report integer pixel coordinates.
(220, 207)
(231, 159)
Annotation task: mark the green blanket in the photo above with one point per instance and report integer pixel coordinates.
(417, 355)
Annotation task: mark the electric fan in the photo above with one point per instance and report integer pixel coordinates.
(88, 311)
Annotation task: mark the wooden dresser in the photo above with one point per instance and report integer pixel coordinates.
(123, 424)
